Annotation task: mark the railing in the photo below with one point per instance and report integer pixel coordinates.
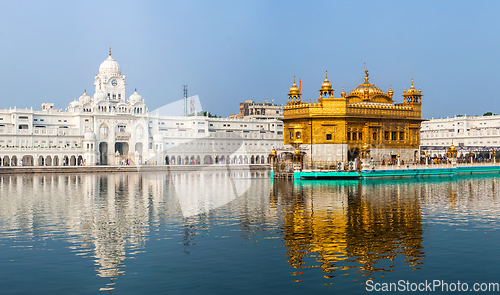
(122, 135)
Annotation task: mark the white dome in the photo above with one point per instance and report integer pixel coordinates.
(85, 98)
(135, 97)
(110, 67)
(99, 95)
(74, 104)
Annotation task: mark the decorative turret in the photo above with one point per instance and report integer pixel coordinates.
(294, 94)
(412, 95)
(326, 90)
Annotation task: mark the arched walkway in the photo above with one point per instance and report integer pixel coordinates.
(6, 161)
(14, 161)
(207, 160)
(72, 161)
(56, 161)
(41, 161)
(48, 161)
(198, 160)
(167, 161)
(252, 160)
(80, 161)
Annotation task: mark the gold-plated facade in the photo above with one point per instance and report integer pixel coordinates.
(336, 128)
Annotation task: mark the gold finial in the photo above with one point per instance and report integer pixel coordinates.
(109, 50)
(294, 79)
(326, 74)
(411, 82)
(85, 90)
(135, 89)
(366, 76)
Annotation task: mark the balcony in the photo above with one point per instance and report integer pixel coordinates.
(122, 135)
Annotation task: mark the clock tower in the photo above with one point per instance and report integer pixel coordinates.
(111, 81)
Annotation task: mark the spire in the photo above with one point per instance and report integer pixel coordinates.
(85, 90)
(109, 50)
(366, 76)
(326, 75)
(135, 89)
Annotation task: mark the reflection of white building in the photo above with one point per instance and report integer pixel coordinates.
(467, 133)
(108, 129)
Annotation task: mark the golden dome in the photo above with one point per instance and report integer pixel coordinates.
(412, 90)
(326, 86)
(294, 89)
(273, 152)
(366, 87)
(452, 148)
(297, 151)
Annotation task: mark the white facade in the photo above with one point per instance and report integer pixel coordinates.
(108, 129)
(466, 133)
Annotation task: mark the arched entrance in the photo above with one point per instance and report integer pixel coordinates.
(27, 160)
(72, 161)
(167, 160)
(48, 161)
(198, 160)
(56, 161)
(6, 161)
(103, 151)
(207, 159)
(80, 161)
(122, 148)
(41, 161)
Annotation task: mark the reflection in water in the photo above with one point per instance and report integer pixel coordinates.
(358, 228)
(346, 225)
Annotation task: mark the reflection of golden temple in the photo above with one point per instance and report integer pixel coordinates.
(334, 129)
(346, 223)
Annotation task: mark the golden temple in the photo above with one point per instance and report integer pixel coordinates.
(339, 129)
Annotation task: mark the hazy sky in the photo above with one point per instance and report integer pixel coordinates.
(231, 51)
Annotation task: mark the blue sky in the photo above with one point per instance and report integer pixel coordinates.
(231, 51)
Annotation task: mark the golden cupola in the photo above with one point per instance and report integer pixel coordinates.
(412, 95)
(326, 90)
(367, 92)
(294, 94)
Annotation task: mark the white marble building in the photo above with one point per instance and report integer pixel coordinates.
(108, 129)
(480, 134)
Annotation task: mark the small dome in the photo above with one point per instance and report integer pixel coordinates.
(294, 89)
(135, 97)
(326, 84)
(85, 98)
(412, 89)
(74, 104)
(99, 95)
(110, 67)
(89, 136)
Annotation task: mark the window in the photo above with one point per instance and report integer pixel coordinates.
(354, 137)
(35, 120)
(348, 135)
(374, 136)
(119, 96)
(401, 136)
(328, 137)
(387, 135)
(201, 130)
(109, 95)
(394, 135)
(42, 120)
(298, 135)
(291, 134)
(360, 136)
